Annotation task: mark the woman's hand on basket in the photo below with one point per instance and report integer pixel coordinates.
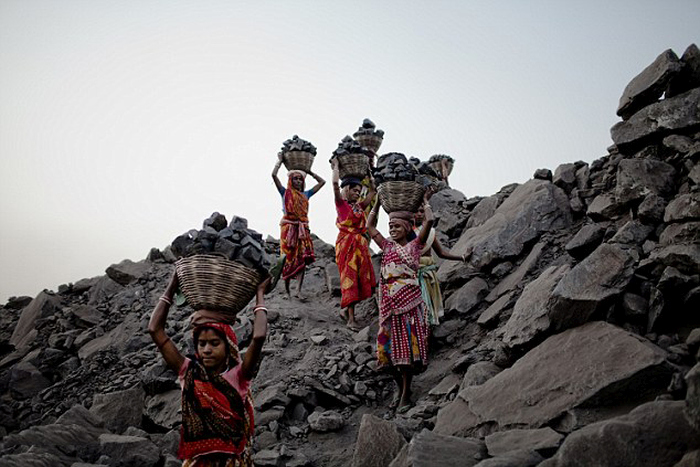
(429, 192)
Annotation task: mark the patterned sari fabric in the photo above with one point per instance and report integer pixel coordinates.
(217, 423)
(352, 254)
(295, 238)
(429, 284)
(402, 336)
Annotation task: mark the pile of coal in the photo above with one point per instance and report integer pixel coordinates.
(428, 176)
(439, 157)
(349, 146)
(368, 128)
(233, 240)
(297, 144)
(394, 166)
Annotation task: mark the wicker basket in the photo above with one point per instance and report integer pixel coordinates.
(437, 166)
(400, 196)
(212, 282)
(298, 160)
(353, 165)
(372, 142)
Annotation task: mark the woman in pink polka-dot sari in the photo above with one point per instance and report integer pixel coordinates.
(402, 339)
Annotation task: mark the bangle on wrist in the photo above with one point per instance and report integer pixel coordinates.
(260, 308)
(165, 299)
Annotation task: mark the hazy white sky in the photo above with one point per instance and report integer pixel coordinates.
(124, 124)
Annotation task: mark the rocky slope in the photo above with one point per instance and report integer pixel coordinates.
(571, 338)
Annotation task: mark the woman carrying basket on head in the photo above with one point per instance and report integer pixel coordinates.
(427, 273)
(352, 246)
(402, 339)
(217, 407)
(295, 237)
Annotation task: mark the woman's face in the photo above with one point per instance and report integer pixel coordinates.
(211, 348)
(397, 231)
(353, 193)
(298, 182)
(420, 215)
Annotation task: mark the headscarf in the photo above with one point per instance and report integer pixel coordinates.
(296, 204)
(215, 418)
(403, 218)
(296, 172)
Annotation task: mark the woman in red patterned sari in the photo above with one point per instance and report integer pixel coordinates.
(352, 246)
(217, 407)
(402, 339)
(295, 237)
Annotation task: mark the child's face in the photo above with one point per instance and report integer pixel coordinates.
(212, 350)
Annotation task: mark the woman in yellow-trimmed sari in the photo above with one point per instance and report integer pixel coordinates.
(352, 245)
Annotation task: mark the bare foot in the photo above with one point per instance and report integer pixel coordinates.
(354, 326)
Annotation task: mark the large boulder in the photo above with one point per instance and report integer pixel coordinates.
(44, 305)
(530, 318)
(450, 212)
(648, 86)
(429, 449)
(674, 114)
(120, 409)
(505, 442)
(515, 278)
(636, 178)
(467, 297)
(26, 381)
(164, 409)
(689, 76)
(594, 366)
(654, 434)
(127, 271)
(589, 286)
(684, 208)
(533, 208)
(128, 451)
(378, 442)
(692, 399)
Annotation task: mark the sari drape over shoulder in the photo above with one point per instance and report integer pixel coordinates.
(352, 254)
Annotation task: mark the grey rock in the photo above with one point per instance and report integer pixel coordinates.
(332, 279)
(542, 385)
(658, 426)
(323, 422)
(530, 318)
(632, 233)
(268, 458)
(120, 409)
(651, 209)
(674, 114)
(589, 286)
(430, 449)
(691, 459)
(634, 306)
(636, 178)
(104, 289)
(479, 373)
(271, 396)
(604, 207)
(118, 339)
(467, 297)
(586, 240)
(685, 258)
(129, 451)
(516, 278)
(378, 442)
(491, 315)
(505, 442)
(446, 386)
(683, 208)
(543, 174)
(692, 398)
(532, 209)
(42, 306)
(164, 409)
(689, 76)
(127, 271)
(26, 381)
(450, 212)
(31, 459)
(565, 177)
(483, 211)
(513, 459)
(648, 86)
(680, 233)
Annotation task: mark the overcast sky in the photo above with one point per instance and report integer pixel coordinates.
(124, 124)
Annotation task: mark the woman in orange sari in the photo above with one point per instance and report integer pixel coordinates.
(295, 237)
(352, 245)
